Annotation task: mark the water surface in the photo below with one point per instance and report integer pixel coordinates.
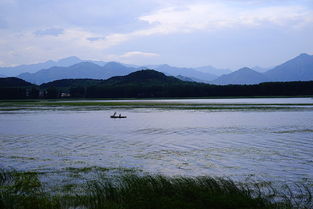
(273, 145)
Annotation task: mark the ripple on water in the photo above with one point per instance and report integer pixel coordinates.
(269, 145)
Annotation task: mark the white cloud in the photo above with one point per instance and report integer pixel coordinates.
(212, 17)
(133, 57)
(138, 53)
(27, 47)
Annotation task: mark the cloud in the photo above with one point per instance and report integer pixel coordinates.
(29, 47)
(27, 36)
(212, 17)
(95, 38)
(134, 57)
(131, 55)
(138, 53)
(49, 32)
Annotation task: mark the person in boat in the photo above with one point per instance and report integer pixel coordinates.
(120, 115)
(114, 114)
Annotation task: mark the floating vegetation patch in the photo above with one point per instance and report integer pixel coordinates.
(161, 104)
(22, 157)
(295, 131)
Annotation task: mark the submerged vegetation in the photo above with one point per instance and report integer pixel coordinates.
(14, 105)
(24, 190)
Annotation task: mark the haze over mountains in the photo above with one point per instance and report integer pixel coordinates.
(190, 73)
(242, 76)
(299, 68)
(80, 70)
(15, 71)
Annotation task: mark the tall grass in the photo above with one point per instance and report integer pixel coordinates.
(154, 192)
(23, 190)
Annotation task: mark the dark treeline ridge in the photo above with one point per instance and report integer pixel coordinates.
(144, 84)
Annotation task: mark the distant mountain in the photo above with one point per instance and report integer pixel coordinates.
(184, 78)
(241, 76)
(299, 68)
(13, 82)
(100, 63)
(80, 70)
(213, 70)
(145, 84)
(187, 72)
(68, 61)
(153, 84)
(260, 69)
(14, 71)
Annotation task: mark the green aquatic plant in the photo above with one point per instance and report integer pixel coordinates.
(24, 190)
(160, 192)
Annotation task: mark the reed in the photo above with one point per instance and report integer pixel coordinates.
(23, 190)
(160, 192)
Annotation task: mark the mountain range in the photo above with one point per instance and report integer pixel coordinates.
(191, 73)
(144, 84)
(299, 68)
(80, 70)
(15, 71)
(242, 76)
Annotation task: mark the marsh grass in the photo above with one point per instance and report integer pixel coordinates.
(154, 192)
(23, 190)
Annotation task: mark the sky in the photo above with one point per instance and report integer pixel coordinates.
(221, 33)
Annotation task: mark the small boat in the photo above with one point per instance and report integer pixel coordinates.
(117, 116)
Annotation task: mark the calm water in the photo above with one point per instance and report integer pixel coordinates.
(274, 145)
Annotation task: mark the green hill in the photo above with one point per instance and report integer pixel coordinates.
(142, 77)
(143, 83)
(13, 82)
(15, 88)
(68, 83)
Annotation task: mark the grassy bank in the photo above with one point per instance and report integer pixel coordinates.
(24, 190)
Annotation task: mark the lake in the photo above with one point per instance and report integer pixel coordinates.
(273, 141)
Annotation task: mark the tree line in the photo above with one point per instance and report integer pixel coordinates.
(157, 90)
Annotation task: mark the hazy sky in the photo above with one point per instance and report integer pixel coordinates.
(223, 33)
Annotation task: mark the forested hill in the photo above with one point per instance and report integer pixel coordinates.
(69, 83)
(146, 84)
(13, 82)
(143, 77)
(15, 88)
